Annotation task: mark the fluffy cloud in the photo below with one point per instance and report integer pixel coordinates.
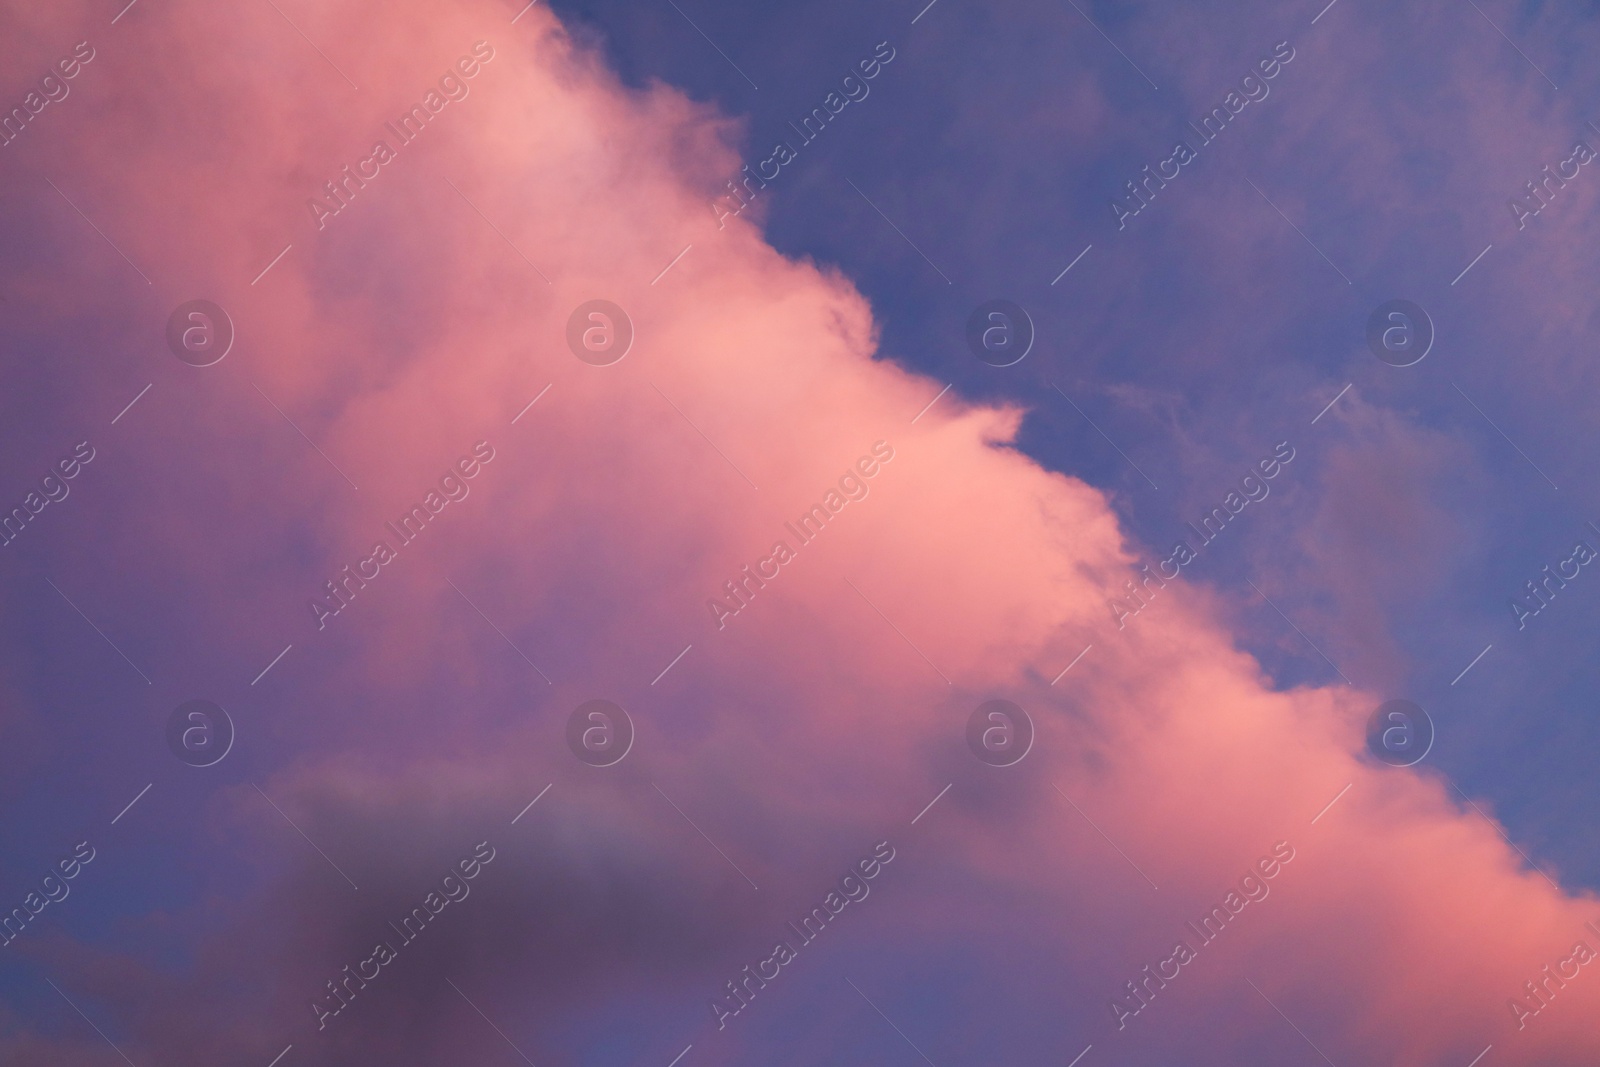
(821, 720)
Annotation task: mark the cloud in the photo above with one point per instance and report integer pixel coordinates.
(422, 319)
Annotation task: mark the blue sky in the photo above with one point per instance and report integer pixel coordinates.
(1209, 330)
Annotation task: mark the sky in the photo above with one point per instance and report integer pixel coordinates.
(525, 541)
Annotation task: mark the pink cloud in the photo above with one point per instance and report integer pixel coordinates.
(818, 720)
